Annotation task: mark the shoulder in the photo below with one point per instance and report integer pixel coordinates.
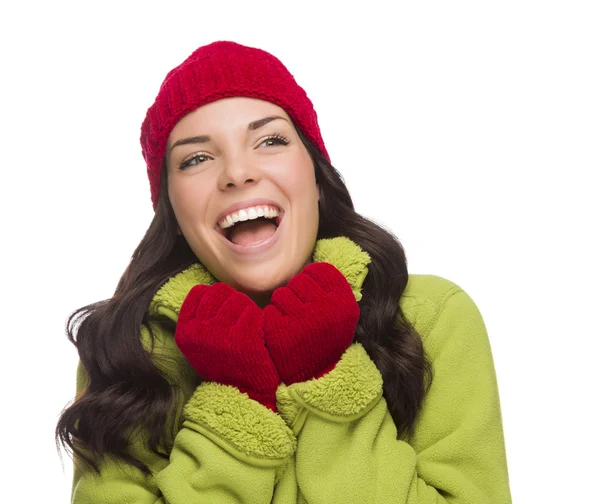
(427, 298)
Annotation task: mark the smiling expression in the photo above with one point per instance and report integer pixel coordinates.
(238, 153)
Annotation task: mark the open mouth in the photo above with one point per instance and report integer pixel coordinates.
(246, 228)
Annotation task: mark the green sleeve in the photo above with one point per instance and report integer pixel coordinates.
(229, 449)
(347, 447)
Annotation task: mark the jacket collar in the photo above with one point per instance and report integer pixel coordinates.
(343, 253)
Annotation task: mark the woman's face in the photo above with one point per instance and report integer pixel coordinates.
(222, 156)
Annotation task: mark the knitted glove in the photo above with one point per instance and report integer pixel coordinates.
(220, 332)
(310, 323)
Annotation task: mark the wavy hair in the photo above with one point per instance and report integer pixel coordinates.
(126, 391)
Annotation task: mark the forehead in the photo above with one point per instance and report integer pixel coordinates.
(226, 114)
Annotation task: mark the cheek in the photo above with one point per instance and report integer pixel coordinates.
(188, 198)
(298, 178)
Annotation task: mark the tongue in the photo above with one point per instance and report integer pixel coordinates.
(251, 232)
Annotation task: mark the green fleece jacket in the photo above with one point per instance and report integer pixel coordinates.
(333, 439)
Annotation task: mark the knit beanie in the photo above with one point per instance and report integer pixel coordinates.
(219, 70)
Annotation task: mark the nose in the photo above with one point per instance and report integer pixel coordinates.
(238, 172)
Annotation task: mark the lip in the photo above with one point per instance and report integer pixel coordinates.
(259, 247)
(246, 204)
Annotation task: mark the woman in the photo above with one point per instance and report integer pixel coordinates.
(266, 343)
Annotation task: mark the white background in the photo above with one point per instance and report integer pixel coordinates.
(470, 129)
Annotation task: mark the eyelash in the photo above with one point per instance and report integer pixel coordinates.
(280, 139)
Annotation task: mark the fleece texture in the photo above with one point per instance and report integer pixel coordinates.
(239, 424)
(347, 257)
(345, 393)
(333, 439)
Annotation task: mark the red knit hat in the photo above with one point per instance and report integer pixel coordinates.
(219, 70)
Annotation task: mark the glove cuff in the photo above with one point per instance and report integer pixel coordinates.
(345, 394)
(267, 399)
(239, 425)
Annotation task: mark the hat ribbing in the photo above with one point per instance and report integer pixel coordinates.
(220, 70)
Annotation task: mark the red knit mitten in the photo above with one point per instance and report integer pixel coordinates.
(220, 332)
(310, 322)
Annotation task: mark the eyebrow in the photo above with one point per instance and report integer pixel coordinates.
(254, 125)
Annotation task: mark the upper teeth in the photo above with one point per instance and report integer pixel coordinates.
(248, 214)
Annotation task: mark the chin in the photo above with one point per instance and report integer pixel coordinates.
(259, 284)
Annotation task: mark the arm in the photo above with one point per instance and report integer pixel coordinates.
(229, 449)
(347, 447)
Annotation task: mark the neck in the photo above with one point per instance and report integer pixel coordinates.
(262, 299)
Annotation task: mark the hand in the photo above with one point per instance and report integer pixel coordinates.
(220, 332)
(310, 322)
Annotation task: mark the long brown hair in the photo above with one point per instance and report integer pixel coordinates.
(127, 391)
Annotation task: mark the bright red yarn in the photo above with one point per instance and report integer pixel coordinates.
(310, 322)
(219, 330)
(219, 70)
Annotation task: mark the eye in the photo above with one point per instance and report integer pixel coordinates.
(196, 159)
(273, 140)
